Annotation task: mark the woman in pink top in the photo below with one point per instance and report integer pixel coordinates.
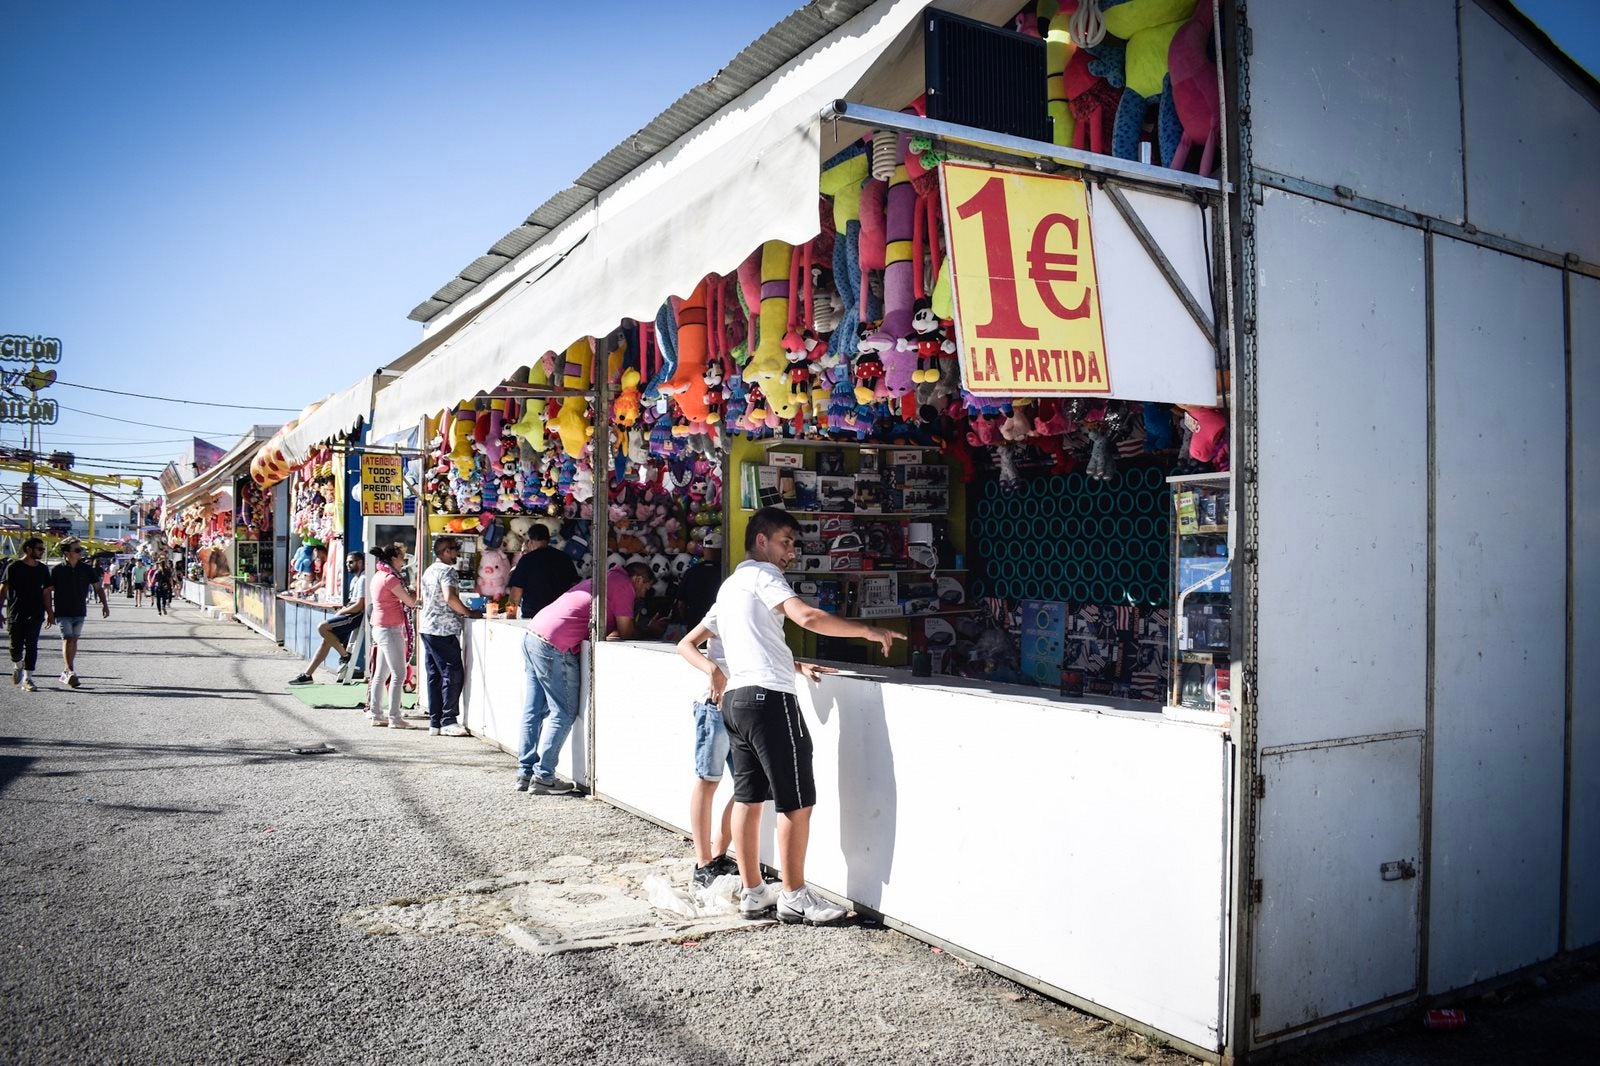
(389, 598)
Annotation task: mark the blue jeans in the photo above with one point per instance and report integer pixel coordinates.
(710, 742)
(445, 676)
(551, 707)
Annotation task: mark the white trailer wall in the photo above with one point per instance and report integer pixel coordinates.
(1499, 614)
(1583, 830)
(1342, 623)
(1456, 112)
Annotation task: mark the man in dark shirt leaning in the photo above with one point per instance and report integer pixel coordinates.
(542, 574)
(73, 580)
(25, 590)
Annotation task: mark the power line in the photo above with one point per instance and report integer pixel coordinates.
(169, 399)
(152, 425)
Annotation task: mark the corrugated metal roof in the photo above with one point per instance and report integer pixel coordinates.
(797, 31)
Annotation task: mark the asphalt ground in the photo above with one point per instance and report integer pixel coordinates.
(177, 885)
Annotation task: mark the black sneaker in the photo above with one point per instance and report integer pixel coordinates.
(344, 660)
(552, 787)
(704, 875)
(303, 679)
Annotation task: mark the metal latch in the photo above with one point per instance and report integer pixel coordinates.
(1399, 870)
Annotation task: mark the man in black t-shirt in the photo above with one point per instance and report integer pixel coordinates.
(72, 581)
(542, 574)
(29, 606)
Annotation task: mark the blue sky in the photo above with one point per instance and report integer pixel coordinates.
(241, 203)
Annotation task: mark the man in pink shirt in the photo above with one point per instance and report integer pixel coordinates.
(550, 653)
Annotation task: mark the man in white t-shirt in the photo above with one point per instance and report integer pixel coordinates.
(768, 740)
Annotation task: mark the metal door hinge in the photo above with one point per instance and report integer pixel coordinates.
(1398, 870)
(1255, 892)
(1261, 786)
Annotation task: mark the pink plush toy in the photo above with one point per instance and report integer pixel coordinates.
(1194, 88)
(494, 573)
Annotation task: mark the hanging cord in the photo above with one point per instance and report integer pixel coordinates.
(1087, 25)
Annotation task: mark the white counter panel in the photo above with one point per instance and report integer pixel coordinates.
(496, 688)
(1087, 850)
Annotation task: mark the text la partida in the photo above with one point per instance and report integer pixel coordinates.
(1040, 366)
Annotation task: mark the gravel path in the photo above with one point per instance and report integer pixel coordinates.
(173, 882)
(177, 886)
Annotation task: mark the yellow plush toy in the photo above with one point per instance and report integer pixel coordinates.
(461, 427)
(572, 424)
(530, 427)
(769, 363)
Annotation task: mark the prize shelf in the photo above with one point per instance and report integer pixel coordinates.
(861, 514)
(871, 573)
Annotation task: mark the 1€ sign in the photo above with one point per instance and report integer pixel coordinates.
(1027, 299)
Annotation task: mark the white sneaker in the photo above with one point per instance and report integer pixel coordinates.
(808, 907)
(433, 730)
(758, 902)
(377, 723)
(63, 678)
(456, 729)
(400, 723)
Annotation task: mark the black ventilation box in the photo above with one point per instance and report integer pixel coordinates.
(983, 76)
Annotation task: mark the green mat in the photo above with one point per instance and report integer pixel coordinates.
(340, 696)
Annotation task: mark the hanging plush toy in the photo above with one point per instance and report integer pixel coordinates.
(898, 285)
(461, 429)
(869, 364)
(929, 341)
(625, 409)
(689, 372)
(713, 382)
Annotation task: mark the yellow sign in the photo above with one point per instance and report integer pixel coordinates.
(1027, 299)
(382, 485)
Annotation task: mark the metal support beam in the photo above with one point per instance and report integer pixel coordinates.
(1023, 148)
(1159, 258)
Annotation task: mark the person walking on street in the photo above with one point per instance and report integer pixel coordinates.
(29, 605)
(161, 583)
(767, 734)
(542, 574)
(439, 621)
(71, 581)
(390, 635)
(342, 625)
(140, 574)
(550, 653)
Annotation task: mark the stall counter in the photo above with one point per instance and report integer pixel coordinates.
(301, 617)
(496, 688)
(1081, 845)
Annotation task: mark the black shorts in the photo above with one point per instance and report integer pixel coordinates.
(770, 748)
(343, 627)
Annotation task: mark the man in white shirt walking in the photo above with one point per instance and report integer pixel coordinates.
(768, 739)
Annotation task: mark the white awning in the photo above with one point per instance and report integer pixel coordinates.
(746, 175)
(336, 415)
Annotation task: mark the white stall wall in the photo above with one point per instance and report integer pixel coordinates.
(1362, 93)
(1583, 831)
(1332, 935)
(1500, 627)
(1343, 390)
(1532, 142)
(1113, 827)
(496, 687)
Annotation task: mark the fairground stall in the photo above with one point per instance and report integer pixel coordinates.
(977, 297)
(199, 515)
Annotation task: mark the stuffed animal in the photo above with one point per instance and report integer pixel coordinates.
(898, 282)
(869, 364)
(767, 365)
(687, 383)
(625, 409)
(494, 573)
(462, 425)
(1193, 87)
(530, 427)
